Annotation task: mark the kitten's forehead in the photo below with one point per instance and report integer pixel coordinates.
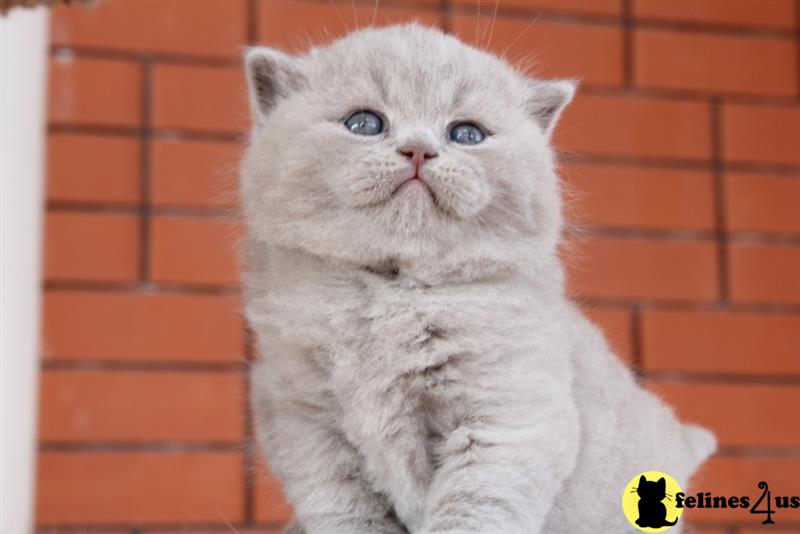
(394, 63)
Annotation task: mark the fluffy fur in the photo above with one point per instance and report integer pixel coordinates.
(421, 369)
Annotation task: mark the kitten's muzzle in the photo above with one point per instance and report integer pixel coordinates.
(418, 153)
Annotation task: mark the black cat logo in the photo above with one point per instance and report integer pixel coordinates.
(649, 501)
(653, 512)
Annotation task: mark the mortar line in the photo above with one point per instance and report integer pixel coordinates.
(627, 43)
(721, 237)
(145, 137)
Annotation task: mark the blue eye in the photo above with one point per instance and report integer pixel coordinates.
(466, 133)
(364, 123)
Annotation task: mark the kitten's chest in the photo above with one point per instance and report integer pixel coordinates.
(412, 352)
(401, 326)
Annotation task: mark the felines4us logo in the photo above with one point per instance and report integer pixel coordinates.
(653, 502)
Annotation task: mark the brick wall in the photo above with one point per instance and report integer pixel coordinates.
(681, 153)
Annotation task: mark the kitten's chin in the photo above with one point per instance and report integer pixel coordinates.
(415, 184)
(416, 201)
(419, 199)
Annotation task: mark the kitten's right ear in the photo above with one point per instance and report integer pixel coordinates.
(547, 100)
(642, 480)
(271, 75)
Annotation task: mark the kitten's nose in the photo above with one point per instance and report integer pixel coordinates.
(417, 153)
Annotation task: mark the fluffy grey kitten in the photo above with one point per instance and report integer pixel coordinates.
(421, 368)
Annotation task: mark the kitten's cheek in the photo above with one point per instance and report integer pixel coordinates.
(346, 190)
(354, 192)
(465, 197)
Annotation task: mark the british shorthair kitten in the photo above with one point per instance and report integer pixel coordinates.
(421, 369)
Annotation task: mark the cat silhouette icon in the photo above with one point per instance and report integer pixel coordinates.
(653, 512)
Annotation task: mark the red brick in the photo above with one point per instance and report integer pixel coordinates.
(270, 503)
(617, 196)
(761, 133)
(715, 63)
(595, 7)
(295, 26)
(91, 247)
(193, 250)
(95, 91)
(741, 415)
(141, 327)
(172, 26)
(199, 98)
(719, 341)
(635, 126)
(93, 168)
(141, 406)
(762, 202)
(764, 273)
(140, 487)
(636, 268)
(731, 476)
(195, 173)
(775, 13)
(617, 325)
(558, 49)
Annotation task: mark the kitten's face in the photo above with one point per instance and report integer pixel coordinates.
(451, 146)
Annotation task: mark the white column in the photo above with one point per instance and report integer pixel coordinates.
(23, 63)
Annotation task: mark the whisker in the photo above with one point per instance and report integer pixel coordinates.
(374, 13)
(228, 523)
(339, 14)
(477, 21)
(355, 13)
(493, 24)
(533, 21)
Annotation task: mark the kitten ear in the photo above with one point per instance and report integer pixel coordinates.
(642, 480)
(662, 484)
(271, 75)
(547, 99)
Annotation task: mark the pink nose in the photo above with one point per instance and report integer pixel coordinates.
(417, 154)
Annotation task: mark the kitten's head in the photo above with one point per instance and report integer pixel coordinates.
(400, 142)
(652, 490)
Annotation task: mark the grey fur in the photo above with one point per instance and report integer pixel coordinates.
(421, 369)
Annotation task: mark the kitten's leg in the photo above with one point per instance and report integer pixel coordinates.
(321, 475)
(503, 467)
(392, 443)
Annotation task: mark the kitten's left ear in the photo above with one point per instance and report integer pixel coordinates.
(662, 484)
(547, 99)
(271, 75)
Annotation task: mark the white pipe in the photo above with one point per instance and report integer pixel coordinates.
(23, 63)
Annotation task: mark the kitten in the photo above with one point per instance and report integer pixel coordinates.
(421, 369)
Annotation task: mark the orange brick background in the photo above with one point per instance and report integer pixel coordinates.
(681, 156)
